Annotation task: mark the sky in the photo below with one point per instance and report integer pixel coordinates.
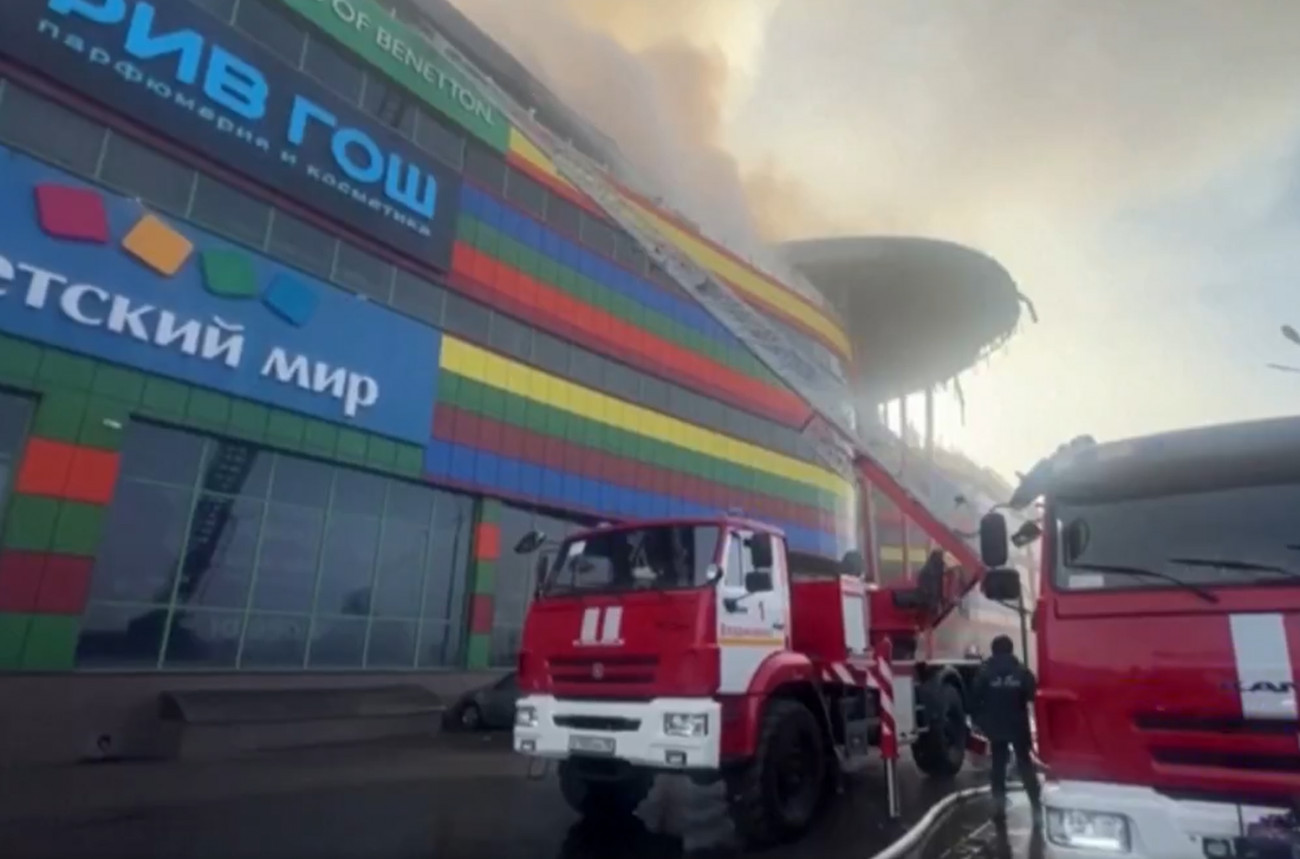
(1134, 165)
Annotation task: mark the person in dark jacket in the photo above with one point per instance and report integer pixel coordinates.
(1001, 697)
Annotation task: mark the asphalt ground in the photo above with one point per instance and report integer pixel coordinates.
(460, 798)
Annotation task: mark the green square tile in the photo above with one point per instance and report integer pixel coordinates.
(449, 388)
(534, 416)
(547, 270)
(493, 404)
(516, 413)
(484, 579)
(13, 635)
(105, 423)
(489, 240)
(508, 252)
(229, 273)
(285, 430)
(381, 452)
(248, 420)
(409, 461)
(165, 398)
(65, 370)
(78, 528)
(470, 395)
(479, 650)
(490, 510)
(51, 643)
(321, 437)
(30, 522)
(352, 445)
(19, 360)
(60, 414)
(208, 409)
(118, 383)
(467, 230)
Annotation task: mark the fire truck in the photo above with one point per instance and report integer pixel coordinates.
(1168, 635)
(702, 646)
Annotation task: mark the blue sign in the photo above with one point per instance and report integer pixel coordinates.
(95, 273)
(175, 68)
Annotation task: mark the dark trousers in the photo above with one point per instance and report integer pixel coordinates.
(1024, 762)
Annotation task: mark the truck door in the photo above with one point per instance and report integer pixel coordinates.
(753, 606)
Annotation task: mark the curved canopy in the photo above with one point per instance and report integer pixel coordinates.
(918, 311)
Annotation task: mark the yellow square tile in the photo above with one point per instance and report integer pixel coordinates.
(158, 246)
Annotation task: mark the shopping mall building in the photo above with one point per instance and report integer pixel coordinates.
(298, 335)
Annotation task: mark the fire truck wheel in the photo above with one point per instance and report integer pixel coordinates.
(775, 795)
(941, 751)
(603, 797)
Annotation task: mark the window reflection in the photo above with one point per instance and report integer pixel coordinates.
(261, 561)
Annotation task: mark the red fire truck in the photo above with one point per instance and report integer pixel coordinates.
(701, 646)
(1168, 635)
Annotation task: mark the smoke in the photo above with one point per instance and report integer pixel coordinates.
(658, 77)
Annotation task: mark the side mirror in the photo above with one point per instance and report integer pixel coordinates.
(1001, 584)
(1026, 534)
(530, 543)
(758, 582)
(853, 564)
(993, 540)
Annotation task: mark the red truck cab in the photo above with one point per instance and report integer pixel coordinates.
(1168, 636)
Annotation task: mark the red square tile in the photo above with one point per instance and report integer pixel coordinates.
(71, 213)
(20, 580)
(65, 585)
(93, 476)
(45, 468)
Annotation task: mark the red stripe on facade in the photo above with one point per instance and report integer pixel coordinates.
(499, 284)
(458, 426)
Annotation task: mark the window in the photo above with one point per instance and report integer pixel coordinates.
(260, 560)
(142, 172)
(525, 193)
(231, 213)
(416, 297)
(299, 243)
(273, 28)
(391, 105)
(511, 337)
(331, 68)
(586, 368)
(52, 131)
(223, 9)
(364, 272)
(551, 353)
(439, 140)
(466, 318)
(563, 215)
(486, 168)
(15, 413)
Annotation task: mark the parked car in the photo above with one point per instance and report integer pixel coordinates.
(488, 708)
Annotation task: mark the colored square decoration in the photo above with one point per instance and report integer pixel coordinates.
(290, 299)
(71, 213)
(158, 246)
(228, 274)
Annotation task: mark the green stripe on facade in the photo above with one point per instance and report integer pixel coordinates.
(367, 30)
(478, 651)
(500, 405)
(490, 241)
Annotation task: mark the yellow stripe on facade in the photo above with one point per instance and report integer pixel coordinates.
(718, 263)
(521, 146)
(478, 364)
(747, 279)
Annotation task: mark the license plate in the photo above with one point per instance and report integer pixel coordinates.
(592, 745)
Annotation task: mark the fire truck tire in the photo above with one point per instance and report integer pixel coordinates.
(941, 750)
(601, 797)
(774, 796)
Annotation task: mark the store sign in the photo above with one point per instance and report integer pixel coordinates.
(98, 274)
(366, 29)
(175, 68)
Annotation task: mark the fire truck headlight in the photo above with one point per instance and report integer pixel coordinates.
(525, 717)
(1088, 830)
(686, 724)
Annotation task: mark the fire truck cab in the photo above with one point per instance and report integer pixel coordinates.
(700, 646)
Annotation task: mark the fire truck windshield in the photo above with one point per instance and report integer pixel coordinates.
(657, 558)
(1221, 537)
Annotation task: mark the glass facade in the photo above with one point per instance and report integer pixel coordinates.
(256, 560)
(15, 415)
